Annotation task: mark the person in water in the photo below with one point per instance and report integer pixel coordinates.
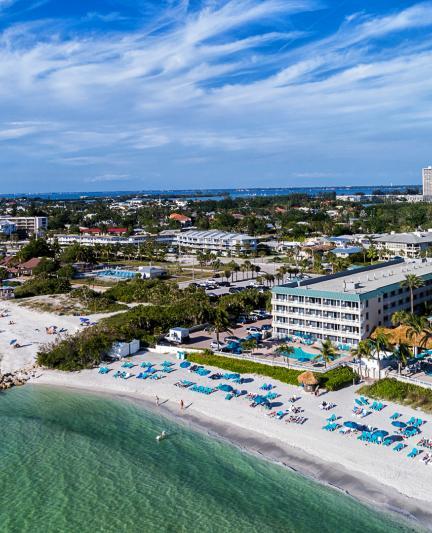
(181, 405)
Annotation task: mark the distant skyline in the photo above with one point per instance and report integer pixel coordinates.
(177, 94)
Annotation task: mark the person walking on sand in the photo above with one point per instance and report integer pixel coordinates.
(157, 400)
(181, 405)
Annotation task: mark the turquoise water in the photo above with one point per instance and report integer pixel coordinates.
(73, 462)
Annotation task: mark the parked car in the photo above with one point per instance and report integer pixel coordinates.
(253, 329)
(266, 327)
(224, 284)
(215, 345)
(233, 290)
(231, 338)
(212, 295)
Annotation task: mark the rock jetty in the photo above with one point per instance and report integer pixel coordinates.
(17, 378)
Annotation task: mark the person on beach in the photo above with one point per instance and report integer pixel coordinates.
(157, 400)
(181, 405)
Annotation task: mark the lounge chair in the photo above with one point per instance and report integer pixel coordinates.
(395, 416)
(413, 453)
(399, 447)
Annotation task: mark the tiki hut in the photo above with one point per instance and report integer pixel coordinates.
(308, 380)
(399, 335)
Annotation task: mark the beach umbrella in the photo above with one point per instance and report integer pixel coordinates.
(358, 402)
(410, 429)
(398, 424)
(350, 424)
(380, 433)
(13, 341)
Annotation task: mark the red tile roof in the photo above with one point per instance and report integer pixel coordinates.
(179, 217)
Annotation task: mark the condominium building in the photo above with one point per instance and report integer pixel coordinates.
(346, 307)
(31, 225)
(216, 241)
(7, 227)
(410, 245)
(93, 240)
(427, 182)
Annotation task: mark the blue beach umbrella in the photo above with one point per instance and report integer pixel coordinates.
(398, 424)
(351, 424)
(380, 433)
(358, 402)
(13, 341)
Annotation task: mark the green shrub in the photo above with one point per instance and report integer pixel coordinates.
(399, 392)
(42, 285)
(338, 378)
(242, 366)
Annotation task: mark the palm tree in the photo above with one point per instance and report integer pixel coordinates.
(402, 353)
(227, 274)
(221, 322)
(400, 317)
(412, 282)
(285, 350)
(250, 345)
(327, 352)
(248, 265)
(372, 252)
(418, 331)
(380, 344)
(364, 350)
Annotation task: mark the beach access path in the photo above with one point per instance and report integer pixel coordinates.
(374, 474)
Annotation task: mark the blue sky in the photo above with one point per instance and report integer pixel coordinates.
(134, 94)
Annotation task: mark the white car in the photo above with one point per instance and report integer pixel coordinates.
(253, 329)
(214, 345)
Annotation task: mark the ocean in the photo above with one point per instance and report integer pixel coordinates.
(213, 194)
(76, 462)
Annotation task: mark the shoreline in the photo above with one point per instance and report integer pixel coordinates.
(361, 487)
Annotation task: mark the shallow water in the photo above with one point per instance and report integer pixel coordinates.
(78, 462)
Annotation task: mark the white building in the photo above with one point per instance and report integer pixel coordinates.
(409, 245)
(427, 182)
(7, 227)
(93, 240)
(151, 272)
(31, 225)
(216, 241)
(346, 307)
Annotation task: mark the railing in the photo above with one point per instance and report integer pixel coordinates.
(412, 381)
(282, 364)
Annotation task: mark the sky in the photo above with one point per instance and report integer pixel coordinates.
(172, 94)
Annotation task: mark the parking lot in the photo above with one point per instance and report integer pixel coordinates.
(203, 339)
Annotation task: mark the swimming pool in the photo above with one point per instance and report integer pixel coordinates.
(300, 355)
(113, 273)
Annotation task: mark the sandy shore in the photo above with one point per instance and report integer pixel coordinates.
(28, 329)
(373, 474)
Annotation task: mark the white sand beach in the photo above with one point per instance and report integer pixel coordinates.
(374, 474)
(28, 329)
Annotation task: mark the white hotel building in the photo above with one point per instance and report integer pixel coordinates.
(93, 240)
(346, 307)
(216, 241)
(31, 225)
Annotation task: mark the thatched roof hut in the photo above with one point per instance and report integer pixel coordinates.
(399, 335)
(308, 380)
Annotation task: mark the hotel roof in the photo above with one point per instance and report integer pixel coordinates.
(360, 281)
(216, 235)
(415, 237)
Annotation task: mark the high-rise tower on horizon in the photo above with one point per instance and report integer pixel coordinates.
(427, 182)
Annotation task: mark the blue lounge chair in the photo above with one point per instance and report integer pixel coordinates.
(399, 447)
(413, 453)
(395, 416)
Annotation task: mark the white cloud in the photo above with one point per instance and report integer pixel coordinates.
(235, 78)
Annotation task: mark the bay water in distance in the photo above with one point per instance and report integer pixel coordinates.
(77, 462)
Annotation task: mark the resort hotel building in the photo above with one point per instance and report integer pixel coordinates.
(346, 307)
(216, 241)
(29, 225)
(409, 245)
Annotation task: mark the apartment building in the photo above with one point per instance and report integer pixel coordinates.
(427, 182)
(409, 245)
(93, 240)
(30, 225)
(346, 307)
(216, 241)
